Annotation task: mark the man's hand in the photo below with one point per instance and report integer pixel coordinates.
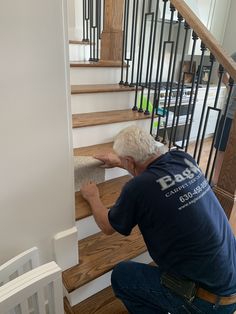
(89, 191)
(110, 160)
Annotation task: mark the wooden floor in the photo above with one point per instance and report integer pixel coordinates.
(206, 148)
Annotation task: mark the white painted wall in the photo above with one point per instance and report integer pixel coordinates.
(75, 18)
(229, 42)
(36, 174)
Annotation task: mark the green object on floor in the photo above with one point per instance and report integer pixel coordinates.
(149, 107)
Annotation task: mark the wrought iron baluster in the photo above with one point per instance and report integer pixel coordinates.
(178, 99)
(180, 20)
(212, 60)
(203, 49)
(136, 6)
(230, 89)
(209, 162)
(139, 56)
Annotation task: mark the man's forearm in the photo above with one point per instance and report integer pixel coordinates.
(100, 213)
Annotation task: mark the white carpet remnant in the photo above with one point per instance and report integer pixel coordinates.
(87, 168)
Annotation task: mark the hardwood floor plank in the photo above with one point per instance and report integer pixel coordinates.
(109, 64)
(100, 88)
(106, 117)
(103, 302)
(98, 255)
(79, 42)
(109, 192)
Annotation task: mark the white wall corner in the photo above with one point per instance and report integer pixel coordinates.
(66, 248)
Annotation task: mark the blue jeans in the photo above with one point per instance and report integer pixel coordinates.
(139, 288)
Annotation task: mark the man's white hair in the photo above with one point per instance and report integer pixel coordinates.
(136, 143)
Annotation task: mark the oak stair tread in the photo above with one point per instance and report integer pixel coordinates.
(103, 302)
(109, 192)
(99, 253)
(100, 88)
(99, 64)
(94, 149)
(79, 42)
(106, 117)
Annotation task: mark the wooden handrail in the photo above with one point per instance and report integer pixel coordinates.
(205, 35)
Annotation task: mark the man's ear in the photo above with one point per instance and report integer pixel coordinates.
(130, 160)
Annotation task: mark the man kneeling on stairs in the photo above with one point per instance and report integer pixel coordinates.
(183, 225)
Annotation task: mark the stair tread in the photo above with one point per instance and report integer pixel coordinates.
(109, 192)
(106, 117)
(101, 63)
(103, 302)
(94, 149)
(99, 253)
(100, 88)
(78, 42)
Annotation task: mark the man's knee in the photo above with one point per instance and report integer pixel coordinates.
(120, 274)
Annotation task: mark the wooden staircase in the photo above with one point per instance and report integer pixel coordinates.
(87, 285)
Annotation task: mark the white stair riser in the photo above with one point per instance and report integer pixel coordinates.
(79, 52)
(94, 75)
(86, 227)
(105, 133)
(95, 102)
(99, 284)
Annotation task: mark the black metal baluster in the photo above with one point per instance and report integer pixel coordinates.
(123, 43)
(203, 49)
(126, 43)
(231, 84)
(212, 60)
(85, 20)
(167, 92)
(152, 57)
(221, 72)
(191, 73)
(90, 29)
(180, 19)
(149, 57)
(177, 106)
(158, 83)
(136, 3)
(139, 56)
(214, 108)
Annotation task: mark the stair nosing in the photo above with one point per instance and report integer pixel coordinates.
(79, 42)
(100, 88)
(94, 149)
(97, 118)
(99, 64)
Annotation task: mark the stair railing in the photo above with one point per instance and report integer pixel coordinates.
(159, 49)
(92, 26)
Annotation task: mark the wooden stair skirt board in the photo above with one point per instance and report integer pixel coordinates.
(109, 192)
(103, 302)
(99, 254)
(106, 117)
(101, 63)
(100, 88)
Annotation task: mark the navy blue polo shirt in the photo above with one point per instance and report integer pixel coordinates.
(183, 224)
